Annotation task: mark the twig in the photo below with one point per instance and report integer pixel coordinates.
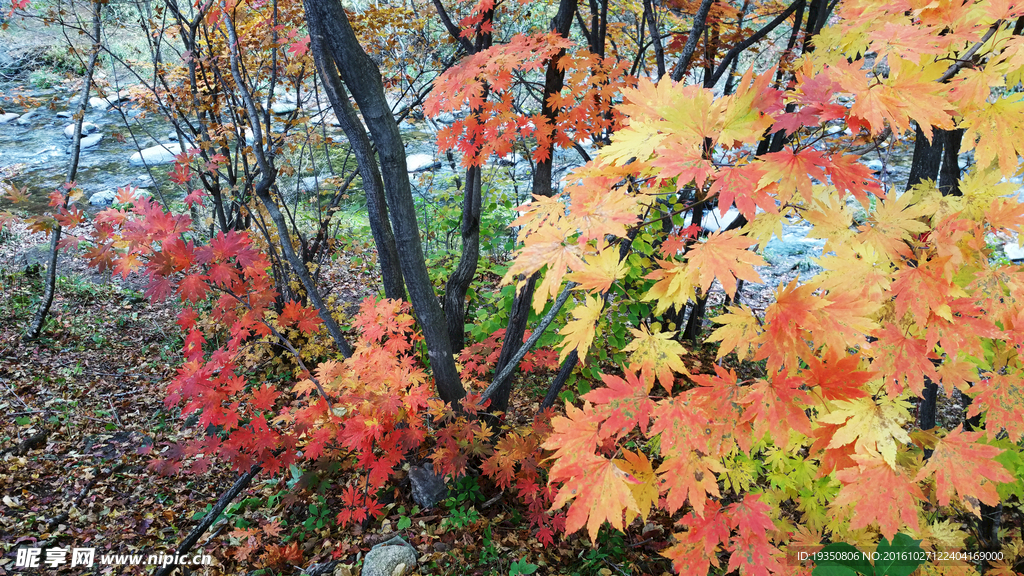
(212, 515)
(114, 410)
(23, 403)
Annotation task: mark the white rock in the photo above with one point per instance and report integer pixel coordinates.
(103, 198)
(159, 154)
(144, 181)
(87, 128)
(712, 221)
(99, 103)
(90, 141)
(418, 162)
(5, 118)
(1013, 252)
(27, 118)
(281, 108)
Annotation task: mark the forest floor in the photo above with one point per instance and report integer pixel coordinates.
(83, 413)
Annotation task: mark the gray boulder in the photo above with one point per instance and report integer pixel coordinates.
(428, 488)
(387, 558)
(159, 154)
(91, 140)
(281, 108)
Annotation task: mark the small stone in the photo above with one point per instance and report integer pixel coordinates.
(90, 141)
(27, 118)
(280, 108)
(1013, 252)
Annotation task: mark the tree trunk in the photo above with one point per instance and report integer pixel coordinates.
(554, 79)
(35, 327)
(327, 20)
(376, 205)
(462, 277)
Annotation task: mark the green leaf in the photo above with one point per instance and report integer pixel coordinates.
(404, 523)
(22, 420)
(841, 559)
(899, 558)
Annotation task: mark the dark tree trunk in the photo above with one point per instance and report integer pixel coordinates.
(376, 205)
(327, 20)
(553, 81)
(949, 173)
(462, 277)
(651, 16)
(927, 157)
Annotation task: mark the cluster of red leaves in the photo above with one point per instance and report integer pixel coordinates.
(479, 358)
(494, 126)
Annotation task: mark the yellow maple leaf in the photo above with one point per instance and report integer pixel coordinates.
(656, 354)
(724, 256)
(579, 333)
(675, 286)
(600, 270)
(645, 490)
(739, 331)
(872, 426)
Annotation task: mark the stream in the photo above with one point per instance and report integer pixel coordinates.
(34, 154)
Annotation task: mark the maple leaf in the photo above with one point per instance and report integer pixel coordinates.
(696, 549)
(600, 270)
(724, 256)
(574, 435)
(626, 402)
(774, 406)
(675, 286)
(600, 490)
(880, 494)
(307, 320)
(875, 427)
(1001, 398)
(740, 331)
(793, 170)
(900, 358)
(892, 225)
(751, 551)
(264, 398)
(645, 489)
(689, 478)
(656, 354)
(838, 377)
(193, 287)
(964, 466)
(579, 333)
